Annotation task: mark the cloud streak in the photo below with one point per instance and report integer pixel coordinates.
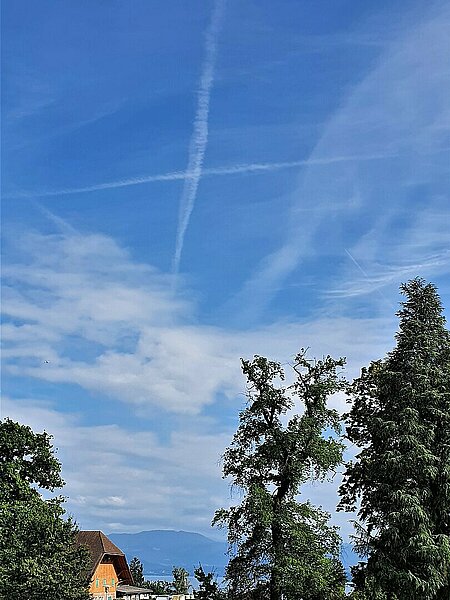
(400, 109)
(384, 275)
(199, 139)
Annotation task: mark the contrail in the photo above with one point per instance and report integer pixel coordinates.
(61, 223)
(379, 292)
(209, 172)
(199, 139)
(353, 259)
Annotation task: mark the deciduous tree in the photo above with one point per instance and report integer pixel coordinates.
(279, 547)
(38, 554)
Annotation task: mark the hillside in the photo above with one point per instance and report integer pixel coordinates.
(160, 550)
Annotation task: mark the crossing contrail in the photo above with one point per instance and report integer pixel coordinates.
(199, 139)
(237, 169)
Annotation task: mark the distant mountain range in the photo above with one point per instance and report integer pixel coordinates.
(161, 550)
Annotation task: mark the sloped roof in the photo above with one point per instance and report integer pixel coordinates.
(100, 546)
(98, 543)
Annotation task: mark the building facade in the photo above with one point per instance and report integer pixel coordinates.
(109, 568)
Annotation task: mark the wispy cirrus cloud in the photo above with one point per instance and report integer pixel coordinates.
(382, 275)
(28, 93)
(400, 109)
(199, 139)
(421, 248)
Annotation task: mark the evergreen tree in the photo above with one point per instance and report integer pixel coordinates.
(137, 571)
(39, 557)
(180, 581)
(400, 418)
(281, 548)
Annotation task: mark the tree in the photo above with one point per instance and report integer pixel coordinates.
(39, 557)
(180, 580)
(400, 418)
(179, 584)
(280, 548)
(208, 588)
(137, 571)
(159, 587)
(26, 459)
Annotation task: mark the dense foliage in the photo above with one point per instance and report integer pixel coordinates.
(38, 554)
(400, 418)
(279, 547)
(26, 460)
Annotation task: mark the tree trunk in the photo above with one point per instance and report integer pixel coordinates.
(275, 575)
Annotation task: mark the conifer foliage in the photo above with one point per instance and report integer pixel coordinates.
(400, 417)
(137, 571)
(279, 547)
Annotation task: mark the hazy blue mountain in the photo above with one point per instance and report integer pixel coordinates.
(161, 550)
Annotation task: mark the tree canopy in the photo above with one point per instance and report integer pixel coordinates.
(39, 557)
(400, 418)
(26, 460)
(278, 546)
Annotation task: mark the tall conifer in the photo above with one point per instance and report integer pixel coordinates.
(400, 419)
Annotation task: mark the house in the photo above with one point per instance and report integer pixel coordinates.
(109, 568)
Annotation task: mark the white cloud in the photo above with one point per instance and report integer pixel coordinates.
(117, 330)
(84, 313)
(117, 475)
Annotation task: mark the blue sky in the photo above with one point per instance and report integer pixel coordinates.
(185, 183)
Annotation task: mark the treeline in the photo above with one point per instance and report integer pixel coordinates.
(280, 547)
(398, 483)
(207, 586)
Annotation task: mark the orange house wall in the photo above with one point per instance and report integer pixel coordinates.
(108, 572)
